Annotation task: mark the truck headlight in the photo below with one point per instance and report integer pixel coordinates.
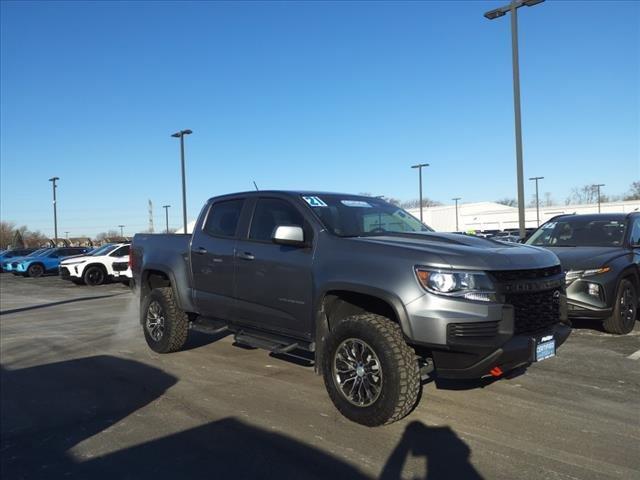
(469, 285)
(573, 275)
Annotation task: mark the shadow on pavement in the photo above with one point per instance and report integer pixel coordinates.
(47, 410)
(61, 302)
(474, 383)
(587, 324)
(447, 455)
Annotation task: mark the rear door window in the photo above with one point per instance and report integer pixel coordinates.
(223, 218)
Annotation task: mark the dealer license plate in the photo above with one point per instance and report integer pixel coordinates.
(545, 349)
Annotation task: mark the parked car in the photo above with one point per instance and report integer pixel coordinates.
(601, 256)
(8, 265)
(96, 267)
(48, 262)
(11, 254)
(377, 296)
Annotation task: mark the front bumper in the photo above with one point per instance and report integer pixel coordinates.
(467, 339)
(519, 351)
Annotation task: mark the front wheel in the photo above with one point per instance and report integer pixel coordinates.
(94, 276)
(36, 270)
(370, 373)
(625, 309)
(165, 326)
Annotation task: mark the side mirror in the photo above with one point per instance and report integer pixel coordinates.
(289, 235)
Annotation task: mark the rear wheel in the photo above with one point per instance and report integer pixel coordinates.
(165, 326)
(94, 275)
(370, 373)
(35, 270)
(625, 309)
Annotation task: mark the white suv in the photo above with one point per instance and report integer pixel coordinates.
(97, 267)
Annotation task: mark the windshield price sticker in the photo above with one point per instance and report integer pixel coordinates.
(355, 203)
(314, 201)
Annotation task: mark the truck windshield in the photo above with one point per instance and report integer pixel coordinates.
(579, 232)
(355, 216)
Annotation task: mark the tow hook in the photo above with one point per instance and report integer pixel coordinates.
(496, 372)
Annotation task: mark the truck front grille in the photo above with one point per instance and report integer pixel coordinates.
(503, 276)
(534, 311)
(471, 330)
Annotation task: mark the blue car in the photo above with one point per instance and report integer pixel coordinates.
(48, 262)
(12, 254)
(9, 265)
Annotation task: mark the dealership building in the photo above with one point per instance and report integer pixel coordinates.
(483, 216)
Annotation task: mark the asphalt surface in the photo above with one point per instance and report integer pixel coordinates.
(83, 397)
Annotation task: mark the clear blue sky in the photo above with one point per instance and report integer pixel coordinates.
(332, 96)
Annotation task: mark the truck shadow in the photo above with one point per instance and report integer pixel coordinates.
(50, 412)
(471, 384)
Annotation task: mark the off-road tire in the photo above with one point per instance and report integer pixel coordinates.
(35, 270)
(400, 373)
(176, 322)
(94, 275)
(618, 323)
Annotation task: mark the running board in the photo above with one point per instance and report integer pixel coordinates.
(273, 343)
(209, 326)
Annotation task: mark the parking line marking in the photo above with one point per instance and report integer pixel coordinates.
(635, 355)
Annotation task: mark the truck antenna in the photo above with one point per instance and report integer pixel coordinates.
(254, 184)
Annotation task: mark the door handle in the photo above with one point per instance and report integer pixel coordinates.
(201, 250)
(246, 256)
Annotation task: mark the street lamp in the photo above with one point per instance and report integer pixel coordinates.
(537, 201)
(181, 135)
(166, 216)
(121, 232)
(55, 210)
(456, 200)
(419, 167)
(598, 187)
(491, 15)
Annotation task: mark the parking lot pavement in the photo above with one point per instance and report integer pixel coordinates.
(83, 397)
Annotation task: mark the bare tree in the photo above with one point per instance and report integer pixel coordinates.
(510, 202)
(585, 194)
(6, 233)
(548, 199)
(415, 203)
(634, 191)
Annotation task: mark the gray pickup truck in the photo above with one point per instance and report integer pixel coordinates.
(377, 296)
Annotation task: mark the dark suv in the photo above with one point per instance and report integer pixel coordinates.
(600, 254)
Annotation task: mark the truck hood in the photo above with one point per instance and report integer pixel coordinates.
(469, 252)
(584, 258)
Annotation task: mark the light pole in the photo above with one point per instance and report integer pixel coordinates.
(66, 234)
(166, 216)
(121, 231)
(537, 201)
(456, 200)
(491, 15)
(55, 209)
(181, 135)
(598, 187)
(419, 167)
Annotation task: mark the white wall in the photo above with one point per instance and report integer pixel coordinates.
(493, 216)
